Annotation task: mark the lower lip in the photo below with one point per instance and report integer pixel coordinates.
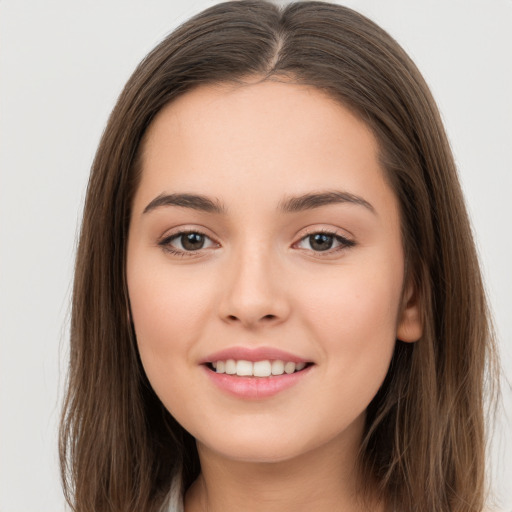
(256, 387)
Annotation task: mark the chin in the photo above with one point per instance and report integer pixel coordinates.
(257, 454)
(258, 447)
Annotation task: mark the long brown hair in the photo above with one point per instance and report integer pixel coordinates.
(424, 438)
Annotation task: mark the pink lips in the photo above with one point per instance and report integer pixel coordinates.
(254, 387)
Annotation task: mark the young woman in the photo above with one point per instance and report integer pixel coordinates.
(277, 300)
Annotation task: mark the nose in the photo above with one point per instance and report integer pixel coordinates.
(254, 290)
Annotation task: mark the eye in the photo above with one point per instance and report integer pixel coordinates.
(325, 241)
(185, 243)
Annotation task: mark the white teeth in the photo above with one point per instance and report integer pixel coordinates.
(264, 368)
(289, 367)
(230, 366)
(244, 368)
(277, 367)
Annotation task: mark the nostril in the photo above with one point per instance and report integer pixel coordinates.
(266, 317)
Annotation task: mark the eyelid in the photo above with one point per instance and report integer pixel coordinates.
(165, 241)
(343, 240)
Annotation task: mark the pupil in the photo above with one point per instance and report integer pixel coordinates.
(192, 241)
(321, 242)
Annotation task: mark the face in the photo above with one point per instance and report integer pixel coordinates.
(265, 239)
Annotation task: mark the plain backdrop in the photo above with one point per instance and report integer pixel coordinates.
(62, 65)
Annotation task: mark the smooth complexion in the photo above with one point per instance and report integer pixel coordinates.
(257, 275)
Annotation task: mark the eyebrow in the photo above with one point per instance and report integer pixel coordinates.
(316, 200)
(194, 201)
(287, 205)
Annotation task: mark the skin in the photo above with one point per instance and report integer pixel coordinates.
(259, 280)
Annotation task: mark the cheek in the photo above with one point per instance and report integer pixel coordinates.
(168, 312)
(357, 300)
(355, 319)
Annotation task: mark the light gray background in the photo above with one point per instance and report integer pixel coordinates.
(62, 65)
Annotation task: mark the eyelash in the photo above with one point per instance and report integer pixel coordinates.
(344, 242)
(165, 243)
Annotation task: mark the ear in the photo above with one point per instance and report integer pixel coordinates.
(410, 320)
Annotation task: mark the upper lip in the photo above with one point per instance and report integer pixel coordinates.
(253, 354)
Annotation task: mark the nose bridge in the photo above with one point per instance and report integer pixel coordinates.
(252, 291)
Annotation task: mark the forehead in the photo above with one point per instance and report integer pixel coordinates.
(252, 142)
(257, 109)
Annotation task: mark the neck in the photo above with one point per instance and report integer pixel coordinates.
(324, 479)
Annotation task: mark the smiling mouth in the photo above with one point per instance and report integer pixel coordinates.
(261, 369)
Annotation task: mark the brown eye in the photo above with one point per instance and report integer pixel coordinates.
(192, 241)
(325, 242)
(186, 243)
(321, 241)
